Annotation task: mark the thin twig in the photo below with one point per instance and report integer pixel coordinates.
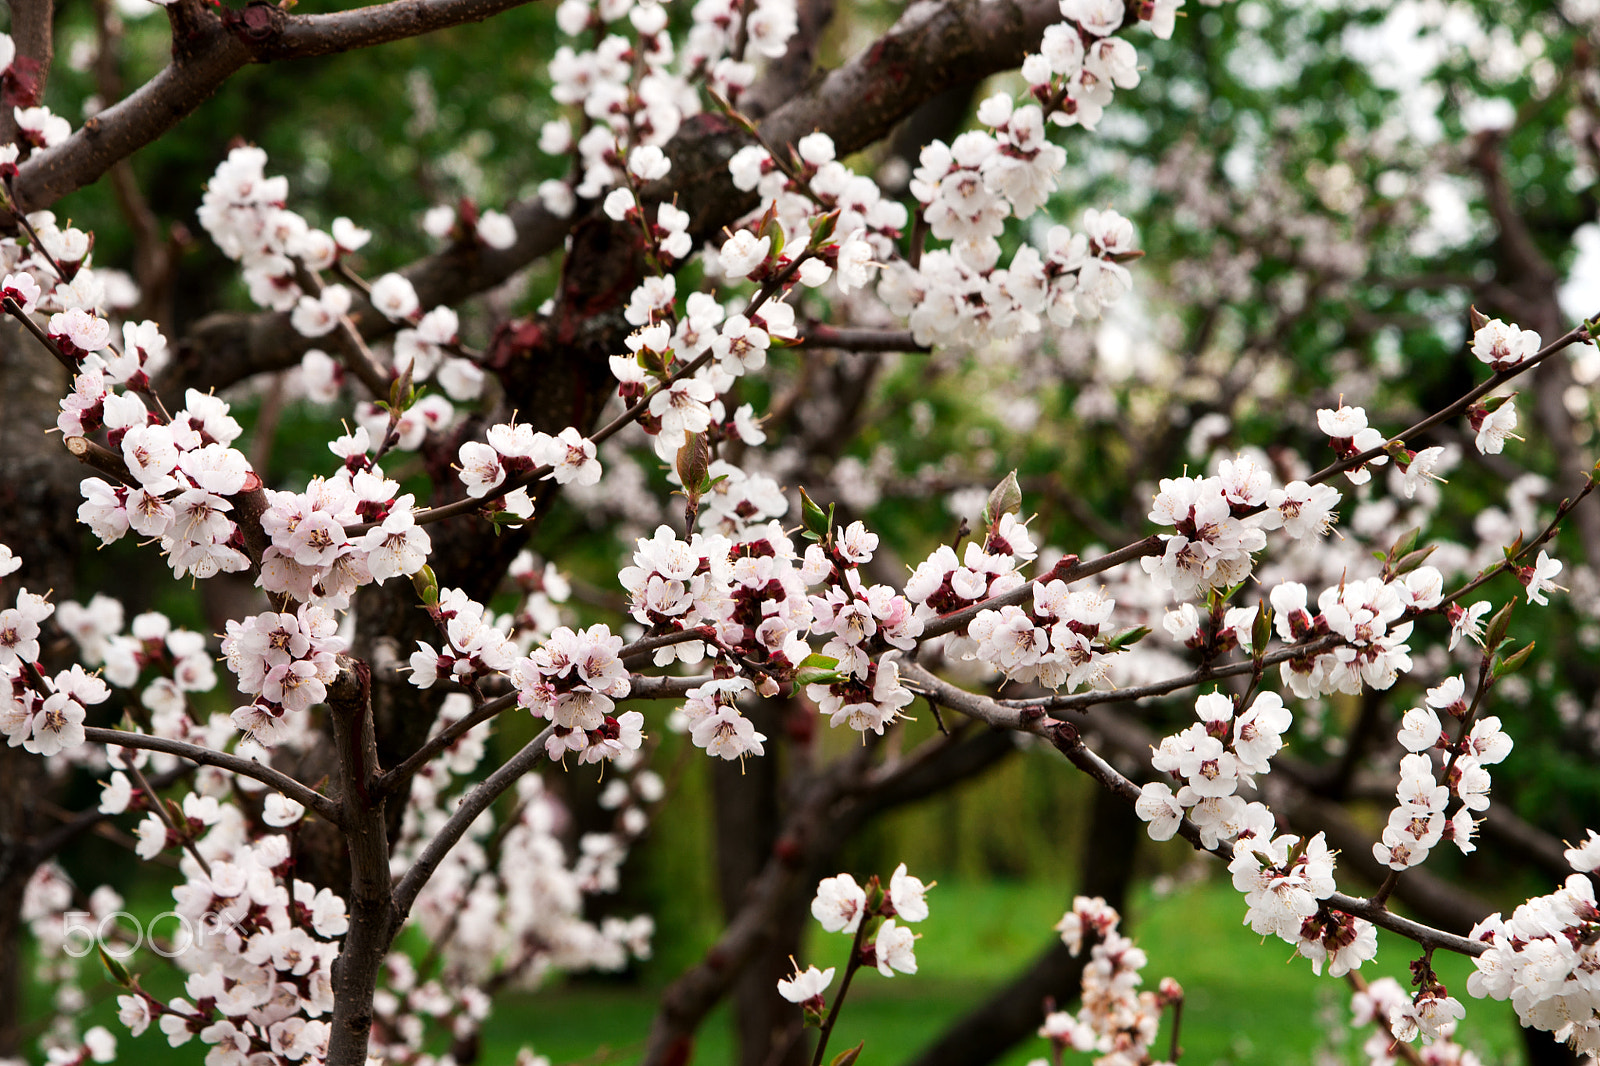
(276, 779)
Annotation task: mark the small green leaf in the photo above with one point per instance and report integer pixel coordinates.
(427, 585)
(1495, 632)
(119, 972)
(813, 517)
(822, 228)
(1412, 560)
(1406, 544)
(1261, 632)
(848, 1058)
(1126, 638)
(1511, 663)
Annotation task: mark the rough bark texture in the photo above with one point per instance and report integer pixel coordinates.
(370, 903)
(38, 521)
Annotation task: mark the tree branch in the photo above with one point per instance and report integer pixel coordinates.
(1066, 738)
(275, 779)
(372, 912)
(476, 802)
(202, 63)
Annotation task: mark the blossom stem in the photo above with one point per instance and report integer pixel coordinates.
(183, 834)
(1535, 544)
(844, 987)
(22, 219)
(15, 310)
(359, 358)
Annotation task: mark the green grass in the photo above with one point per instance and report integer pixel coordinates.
(1246, 1002)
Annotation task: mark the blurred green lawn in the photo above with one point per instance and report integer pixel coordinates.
(1246, 1003)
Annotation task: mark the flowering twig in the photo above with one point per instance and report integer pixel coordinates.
(844, 988)
(185, 837)
(275, 779)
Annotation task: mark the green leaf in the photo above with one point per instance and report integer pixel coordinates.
(1261, 632)
(1126, 638)
(119, 973)
(1412, 560)
(1495, 632)
(848, 1058)
(1511, 663)
(813, 517)
(427, 585)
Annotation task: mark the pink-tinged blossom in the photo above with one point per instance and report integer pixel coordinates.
(839, 905)
(1504, 346)
(807, 986)
(894, 949)
(1492, 429)
(394, 297)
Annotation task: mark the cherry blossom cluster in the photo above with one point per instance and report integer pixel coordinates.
(635, 93)
(843, 906)
(1115, 1020)
(511, 450)
(1369, 616)
(767, 614)
(184, 474)
(476, 645)
(46, 898)
(285, 661)
(797, 196)
(244, 212)
(1543, 958)
(1419, 820)
(678, 585)
(1385, 1006)
(710, 715)
(260, 975)
(312, 557)
(42, 714)
(968, 188)
(851, 611)
(1054, 644)
(178, 657)
(945, 582)
(1217, 529)
(511, 914)
(573, 680)
(1213, 758)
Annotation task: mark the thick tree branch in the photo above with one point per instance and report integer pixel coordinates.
(372, 911)
(932, 46)
(203, 62)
